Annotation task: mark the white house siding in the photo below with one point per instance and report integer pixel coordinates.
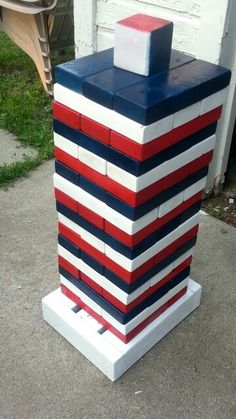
(184, 13)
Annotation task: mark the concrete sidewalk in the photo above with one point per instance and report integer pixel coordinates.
(189, 374)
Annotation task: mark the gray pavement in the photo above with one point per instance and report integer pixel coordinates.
(189, 374)
(12, 150)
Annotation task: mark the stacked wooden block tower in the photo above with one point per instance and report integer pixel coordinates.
(134, 132)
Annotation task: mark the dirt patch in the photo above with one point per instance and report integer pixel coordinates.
(222, 207)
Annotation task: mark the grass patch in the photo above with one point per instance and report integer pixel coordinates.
(25, 108)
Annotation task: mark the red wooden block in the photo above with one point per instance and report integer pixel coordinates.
(69, 234)
(91, 216)
(94, 129)
(66, 159)
(201, 162)
(126, 145)
(153, 316)
(149, 192)
(66, 200)
(180, 174)
(68, 267)
(121, 192)
(92, 284)
(66, 115)
(94, 253)
(144, 151)
(90, 174)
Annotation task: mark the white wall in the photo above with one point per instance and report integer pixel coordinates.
(98, 35)
(203, 28)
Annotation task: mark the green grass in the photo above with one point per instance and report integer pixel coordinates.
(25, 108)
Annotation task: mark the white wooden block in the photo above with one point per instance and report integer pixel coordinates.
(70, 286)
(91, 273)
(89, 201)
(122, 177)
(93, 161)
(105, 350)
(186, 226)
(187, 114)
(88, 301)
(135, 58)
(209, 145)
(183, 257)
(213, 101)
(66, 186)
(138, 44)
(169, 295)
(152, 176)
(195, 188)
(93, 240)
(169, 205)
(69, 257)
(111, 119)
(85, 235)
(66, 145)
(128, 327)
(70, 224)
(157, 129)
(127, 225)
(158, 277)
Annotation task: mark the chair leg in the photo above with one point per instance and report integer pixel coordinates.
(30, 33)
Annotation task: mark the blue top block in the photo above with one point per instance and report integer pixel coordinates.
(102, 87)
(72, 74)
(164, 94)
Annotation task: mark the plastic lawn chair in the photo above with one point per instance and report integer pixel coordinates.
(35, 26)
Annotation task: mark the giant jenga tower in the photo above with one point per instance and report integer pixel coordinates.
(134, 133)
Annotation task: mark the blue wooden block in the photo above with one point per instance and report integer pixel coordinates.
(67, 132)
(181, 250)
(93, 263)
(91, 228)
(190, 141)
(190, 212)
(145, 244)
(92, 188)
(68, 245)
(168, 286)
(194, 177)
(102, 86)
(167, 93)
(72, 74)
(178, 58)
(67, 173)
(120, 316)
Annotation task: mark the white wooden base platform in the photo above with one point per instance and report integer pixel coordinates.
(100, 346)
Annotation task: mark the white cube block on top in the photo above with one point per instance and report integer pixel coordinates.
(143, 44)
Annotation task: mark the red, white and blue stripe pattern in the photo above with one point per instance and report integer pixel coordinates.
(130, 168)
